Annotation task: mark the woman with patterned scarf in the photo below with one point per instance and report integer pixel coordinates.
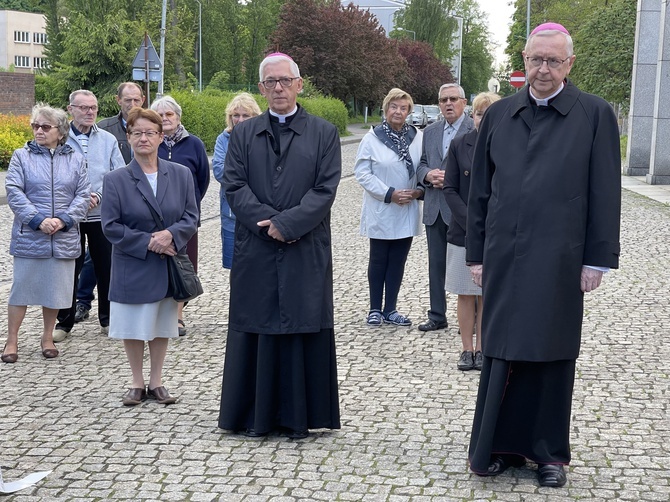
(385, 167)
(183, 148)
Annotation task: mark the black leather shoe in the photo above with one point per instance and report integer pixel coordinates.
(551, 475)
(250, 433)
(134, 396)
(500, 463)
(161, 395)
(292, 434)
(479, 360)
(432, 325)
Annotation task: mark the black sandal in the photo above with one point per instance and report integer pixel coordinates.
(182, 327)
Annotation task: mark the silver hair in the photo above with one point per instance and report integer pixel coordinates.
(82, 92)
(52, 115)
(461, 92)
(548, 33)
(295, 71)
(167, 102)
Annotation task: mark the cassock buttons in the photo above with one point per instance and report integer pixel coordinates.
(466, 173)
(279, 168)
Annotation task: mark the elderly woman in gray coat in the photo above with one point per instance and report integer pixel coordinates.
(48, 191)
(141, 308)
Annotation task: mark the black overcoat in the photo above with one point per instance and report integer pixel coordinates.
(545, 199)
(457, 184)
(276, 287)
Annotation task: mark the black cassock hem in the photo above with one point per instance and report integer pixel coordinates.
(524, 409)
(273, 382)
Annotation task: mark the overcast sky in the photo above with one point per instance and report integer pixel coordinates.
(499, 18)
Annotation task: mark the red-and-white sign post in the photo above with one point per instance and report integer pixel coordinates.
(517, 79)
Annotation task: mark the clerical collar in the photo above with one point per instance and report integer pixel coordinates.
(282, 118)
(545, 101)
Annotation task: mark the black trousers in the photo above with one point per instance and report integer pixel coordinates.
(385, 271)
(101, 255)
(436, 235)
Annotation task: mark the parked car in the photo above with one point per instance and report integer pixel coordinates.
(433, 113)
(417, 117)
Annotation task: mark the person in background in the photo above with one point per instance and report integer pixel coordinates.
(385, 167)
(458, 280)
(128, 95)
(102, 154)
(436, 214)
(188, 150)
(48, 191)
(281, 177)
(240, 108)
(543, 225)
(141, 308)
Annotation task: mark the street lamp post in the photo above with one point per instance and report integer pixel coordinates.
(199, 44)
(459, 20)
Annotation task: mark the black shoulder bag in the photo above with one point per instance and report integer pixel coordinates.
(184, 283)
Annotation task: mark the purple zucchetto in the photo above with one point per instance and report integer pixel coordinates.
(550, 26)
(274, 54)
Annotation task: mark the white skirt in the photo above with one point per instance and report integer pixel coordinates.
(459, 279)
(143, 321)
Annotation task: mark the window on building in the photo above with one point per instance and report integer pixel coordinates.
(39, 63)
(22, 61)
(22, 36)
(39, 38)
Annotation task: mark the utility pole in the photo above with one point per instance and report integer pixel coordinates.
(159, 94)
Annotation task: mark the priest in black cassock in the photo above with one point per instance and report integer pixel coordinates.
(542, 228)
(281, 175)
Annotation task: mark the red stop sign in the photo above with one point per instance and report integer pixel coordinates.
(517, 79)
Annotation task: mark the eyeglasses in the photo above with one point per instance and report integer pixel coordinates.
(44, 127)
(148, 134)
(554, 63)
(169, 114)
(85, 108)
(285, 82)
(453, 99)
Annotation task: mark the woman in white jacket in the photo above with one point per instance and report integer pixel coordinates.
(386, 169)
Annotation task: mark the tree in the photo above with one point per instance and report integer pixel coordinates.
(604, 47)
(431, 21)
(343, 50)
(426, 71)
(477, 58)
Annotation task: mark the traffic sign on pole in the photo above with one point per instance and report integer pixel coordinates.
(517, 79)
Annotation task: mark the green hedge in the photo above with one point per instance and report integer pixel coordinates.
(205, 114)
(14, 132)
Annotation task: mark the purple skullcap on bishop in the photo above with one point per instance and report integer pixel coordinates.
(550, 26)
(274, 54)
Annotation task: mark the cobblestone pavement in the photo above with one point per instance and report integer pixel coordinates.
(406, 410)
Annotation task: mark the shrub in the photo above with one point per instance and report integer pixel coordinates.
(204, 114)
(14, 132)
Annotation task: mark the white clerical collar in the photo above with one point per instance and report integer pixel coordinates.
(282, 118)
(545, 101)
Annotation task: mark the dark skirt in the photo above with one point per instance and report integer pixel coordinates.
(273, 382)
(524, 409)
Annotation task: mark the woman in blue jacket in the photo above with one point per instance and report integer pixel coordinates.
(241, 107)
(48, 191)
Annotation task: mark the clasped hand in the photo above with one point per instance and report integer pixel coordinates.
(435, 177)
(51, 225)
(161, 243)
(273, 231)
(405, 196)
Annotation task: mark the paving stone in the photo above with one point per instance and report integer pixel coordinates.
(406, 409)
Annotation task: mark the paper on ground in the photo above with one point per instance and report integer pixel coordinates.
(26, 482)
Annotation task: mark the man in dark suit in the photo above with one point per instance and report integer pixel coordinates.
(436, 212)
(542, 225)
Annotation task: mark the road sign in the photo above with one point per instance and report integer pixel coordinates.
(147, 64)
(517, 79)
(494, 85)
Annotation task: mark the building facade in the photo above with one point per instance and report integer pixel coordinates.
(22, 39)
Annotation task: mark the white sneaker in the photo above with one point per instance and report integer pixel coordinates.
(60, 335)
